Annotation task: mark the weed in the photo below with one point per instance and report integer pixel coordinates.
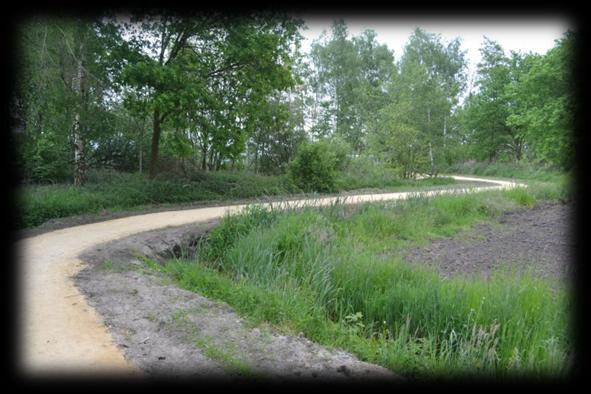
(110, 266)
(327, 275)
(223, 355)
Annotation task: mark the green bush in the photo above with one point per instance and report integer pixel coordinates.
(363, 172)
(314, 168)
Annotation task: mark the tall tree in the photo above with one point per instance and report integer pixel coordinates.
(431, 76)
(543, 103)
(487, 110)
(205, 71)
(350, 76)
(61, 91)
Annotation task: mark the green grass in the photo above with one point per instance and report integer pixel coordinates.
(544, 183)
(336, 275)
(226, 357)
(113, 191)
(523, 170)
(117, 191)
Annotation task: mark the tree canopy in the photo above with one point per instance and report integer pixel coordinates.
(169, 92)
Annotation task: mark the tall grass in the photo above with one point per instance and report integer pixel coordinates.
(335, 274)
(522, 170)
(544, 182)
(117, 191)
(114, 191)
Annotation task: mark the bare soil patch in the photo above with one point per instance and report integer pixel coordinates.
(539, 239)
(170, 332)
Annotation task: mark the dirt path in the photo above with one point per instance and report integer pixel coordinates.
(61, 332)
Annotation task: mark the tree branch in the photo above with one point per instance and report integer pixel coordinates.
(76, 58)
(230, 67)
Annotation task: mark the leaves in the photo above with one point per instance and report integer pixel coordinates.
(524, 106)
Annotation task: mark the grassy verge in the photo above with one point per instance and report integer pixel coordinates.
(118, 191)
(543, 182)
(336, 275)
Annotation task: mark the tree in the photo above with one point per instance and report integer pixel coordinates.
(204, 73)
(543, 104)
(492, 137)
(396, 140)
(60, 94)
(350, 82)
(431, 77)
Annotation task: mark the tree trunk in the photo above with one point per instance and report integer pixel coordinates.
(77, 86)
(211, 158)
(431, 158)
(140, 146)
(492, 151)
(204, 157)
(155, 142)
(430, 137)
(444, 129)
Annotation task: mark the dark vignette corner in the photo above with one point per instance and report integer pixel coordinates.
(16, 15)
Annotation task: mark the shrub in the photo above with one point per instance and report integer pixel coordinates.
(315, 167)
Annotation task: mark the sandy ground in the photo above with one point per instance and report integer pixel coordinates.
(61, 332)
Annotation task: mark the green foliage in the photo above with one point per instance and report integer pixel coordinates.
(544, 104)
(524, 107)
(364, 172)
(215, 91)
(117, 191)
(275, 135)
(350, 77)
(335, 274)
(486, 113)
(314, 167)
(428, 86)
(397, 142)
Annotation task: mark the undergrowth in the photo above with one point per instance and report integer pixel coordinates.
(114, 191)
(336, 274)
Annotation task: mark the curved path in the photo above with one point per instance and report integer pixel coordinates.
(60, 332)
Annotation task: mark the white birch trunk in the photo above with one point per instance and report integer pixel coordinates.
(77, 86)
(444, 129)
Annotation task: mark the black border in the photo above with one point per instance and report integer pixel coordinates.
(572, 12)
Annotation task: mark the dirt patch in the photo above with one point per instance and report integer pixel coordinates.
(538, 239)
(170, 332)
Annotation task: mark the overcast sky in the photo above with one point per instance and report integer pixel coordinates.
(534, 34)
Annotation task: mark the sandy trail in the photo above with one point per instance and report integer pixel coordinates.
(60, 332)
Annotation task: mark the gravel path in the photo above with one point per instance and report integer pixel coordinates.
(61, 332)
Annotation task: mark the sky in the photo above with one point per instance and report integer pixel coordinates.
(533, 34)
